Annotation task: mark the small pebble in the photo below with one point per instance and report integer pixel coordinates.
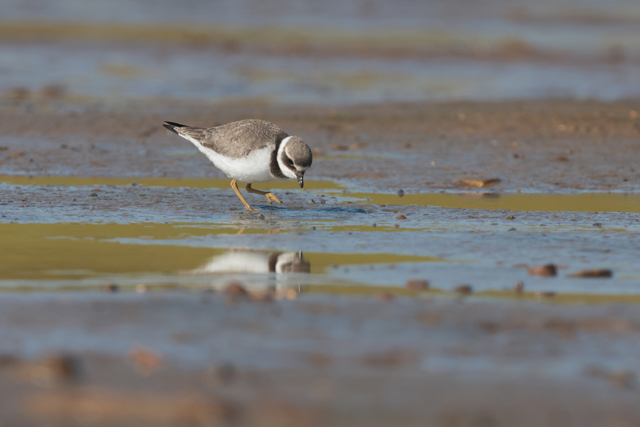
(401, 217)
(224, 373)
(235, 289)
(510, 217)
(400, 193)
(53, 90)
(110, 287)
(18, 93)
(544, 294)
(145, 359)
(417, 284)
(519, 287)
(603, 272)
(622, 379)
(463, 289)
(374, 225)
(53, 370)
(544, 270)
(289, 294)
(357, 146)
(262, 296)
(386, 296)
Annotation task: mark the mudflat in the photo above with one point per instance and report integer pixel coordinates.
(451, 264)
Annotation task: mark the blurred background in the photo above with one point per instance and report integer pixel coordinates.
(327, 53)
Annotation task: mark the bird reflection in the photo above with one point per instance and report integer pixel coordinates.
(250, 261)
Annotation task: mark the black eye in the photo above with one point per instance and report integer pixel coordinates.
(289, 162)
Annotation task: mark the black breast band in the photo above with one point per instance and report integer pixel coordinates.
(274, 168)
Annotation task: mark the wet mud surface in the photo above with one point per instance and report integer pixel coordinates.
(405, 282)
(543, 146)
(464, 252)
(152, 359)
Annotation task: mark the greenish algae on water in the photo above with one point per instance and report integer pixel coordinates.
(75, 251)
(388, 39)
(222, 183)
(583, 202)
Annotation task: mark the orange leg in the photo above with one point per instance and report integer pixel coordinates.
(270, 196)
(234, 185)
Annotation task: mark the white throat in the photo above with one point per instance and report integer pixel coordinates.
(285, 170)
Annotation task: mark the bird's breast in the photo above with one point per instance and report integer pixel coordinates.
(251, 168)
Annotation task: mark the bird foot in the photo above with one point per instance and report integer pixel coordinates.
(272, 198)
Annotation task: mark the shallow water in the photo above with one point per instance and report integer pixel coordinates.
(165, 232)
(102, 75)
(316, 184)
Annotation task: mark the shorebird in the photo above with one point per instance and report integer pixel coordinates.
(250, 151)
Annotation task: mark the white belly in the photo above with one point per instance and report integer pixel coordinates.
(249, 169)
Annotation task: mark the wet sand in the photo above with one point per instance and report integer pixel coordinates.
(100, 199)
(176, 358)
(548, 146)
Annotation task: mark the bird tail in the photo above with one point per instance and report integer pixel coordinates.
(173, 125)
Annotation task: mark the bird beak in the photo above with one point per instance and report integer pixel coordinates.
(301, 180)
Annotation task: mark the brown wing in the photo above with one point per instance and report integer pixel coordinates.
(237, 139)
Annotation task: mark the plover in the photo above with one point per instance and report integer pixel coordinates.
(250, 151)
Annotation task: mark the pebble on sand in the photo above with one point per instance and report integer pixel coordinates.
(417, 284)
(235, 289)
(547, 270)
(544, 294)
(109, 287)
(602, 272)
(464, 289)
(386, 296)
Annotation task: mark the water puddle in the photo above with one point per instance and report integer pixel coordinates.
(580, 202)
(48, 257)
(74, 252)
(277, 63)
(584, 202)
(221, 183)
(65, 233)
